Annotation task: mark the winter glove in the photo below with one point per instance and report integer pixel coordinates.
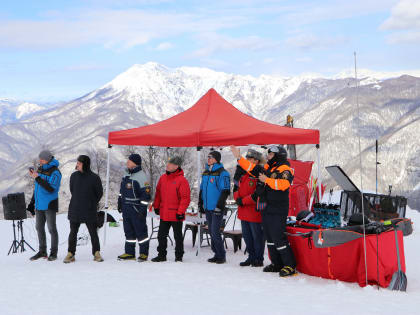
(239, 202)
(157, 211)
(31, 208)
(180, 217)
(201, 209)
(218, 211)
(119, 207)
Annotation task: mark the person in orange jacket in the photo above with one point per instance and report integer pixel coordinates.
(172, 199)
(245, 197)
(272, 193)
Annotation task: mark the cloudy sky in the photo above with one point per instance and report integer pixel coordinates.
(54, 50)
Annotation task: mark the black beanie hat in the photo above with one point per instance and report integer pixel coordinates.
(85, 160)
(135, 158)
(217, 156)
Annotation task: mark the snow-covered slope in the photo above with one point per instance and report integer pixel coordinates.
(191, 287)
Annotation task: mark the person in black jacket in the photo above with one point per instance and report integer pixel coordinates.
(86, 191)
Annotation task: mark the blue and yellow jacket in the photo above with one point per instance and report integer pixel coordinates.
(214, 188)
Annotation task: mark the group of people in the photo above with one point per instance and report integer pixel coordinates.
(261, 191)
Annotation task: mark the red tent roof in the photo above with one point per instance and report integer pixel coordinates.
(212, 121)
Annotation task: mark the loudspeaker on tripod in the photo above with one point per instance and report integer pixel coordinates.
(14, 206)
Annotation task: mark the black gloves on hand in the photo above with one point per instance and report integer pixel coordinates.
(180, 217)
(218, 211)
(31, 208)
(119, 207)
(239, 202)
(201, 209)
(157, 211)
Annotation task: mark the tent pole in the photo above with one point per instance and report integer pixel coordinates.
(361, 166)
(107, 191)
(198, 190)
(319, 181)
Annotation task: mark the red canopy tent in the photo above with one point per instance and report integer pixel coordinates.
(212, 121)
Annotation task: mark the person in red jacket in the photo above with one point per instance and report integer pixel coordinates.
(171, 201)
(244, 194)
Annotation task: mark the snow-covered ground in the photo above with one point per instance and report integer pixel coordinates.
(191, 287)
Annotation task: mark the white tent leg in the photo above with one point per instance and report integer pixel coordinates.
(319, 181)
(106, 192)
(198, 190)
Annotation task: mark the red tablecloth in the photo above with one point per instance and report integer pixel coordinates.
(346, 262)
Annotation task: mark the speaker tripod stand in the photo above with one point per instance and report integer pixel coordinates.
(16, 244)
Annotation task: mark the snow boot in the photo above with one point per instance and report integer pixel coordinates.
(287, 271)
(159, 258)
(212, 260)
(39, 255)
(69, 258)
(97, 257)
(257, 264)
(52, 257)
(126, 257)
(142, 258)
(220, 261)
(245, 263)
(272, 268)
(178, 259)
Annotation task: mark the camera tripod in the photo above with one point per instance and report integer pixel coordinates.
(16, 244)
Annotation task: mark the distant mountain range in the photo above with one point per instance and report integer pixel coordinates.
(13, 110)
(144, 94)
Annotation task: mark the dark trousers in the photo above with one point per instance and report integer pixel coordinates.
(48, 216)
(163, 232)
(135, 227)
(274, 227)
(214, 222)
(254, 239)
(93, 232)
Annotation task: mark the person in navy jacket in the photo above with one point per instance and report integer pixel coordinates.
(133, 202)
(214, 190)
(44, 203)
(171, 201)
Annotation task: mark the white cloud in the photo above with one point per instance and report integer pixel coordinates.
(330, 10)
(404, 16)
(215, 43)
(404, 22)
(114, 29)
(306, 41)
(164, 46)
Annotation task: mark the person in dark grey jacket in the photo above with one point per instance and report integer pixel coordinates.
(86, 191)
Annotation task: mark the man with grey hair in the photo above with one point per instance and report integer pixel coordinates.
(171, 201)
(45, 202)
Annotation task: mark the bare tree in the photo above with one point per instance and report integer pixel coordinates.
(98, 159)
(152, 164)
(129, 149)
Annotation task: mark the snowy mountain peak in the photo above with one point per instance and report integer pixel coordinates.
(380, 75)
(25, 109)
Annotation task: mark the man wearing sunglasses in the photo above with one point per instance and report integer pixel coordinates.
(214, 190)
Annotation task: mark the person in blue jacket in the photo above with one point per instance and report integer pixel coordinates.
(214, 190)
(132, 202)
(44, 203)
